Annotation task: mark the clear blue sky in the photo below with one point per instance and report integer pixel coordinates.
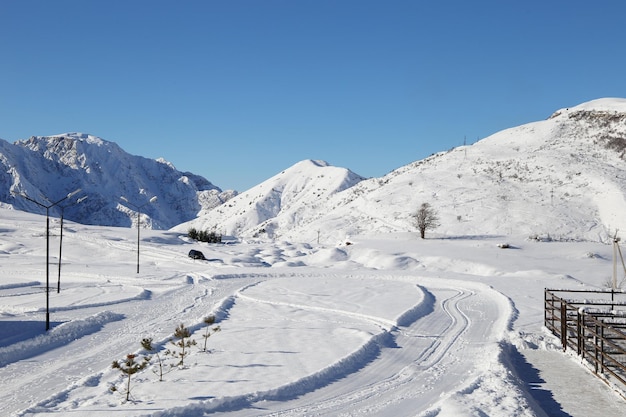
(237, 91)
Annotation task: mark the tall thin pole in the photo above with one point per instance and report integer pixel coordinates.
(48, 207)
(80, 200)
(138, 229)
(60, 249)
(138, 209)
(47, 269)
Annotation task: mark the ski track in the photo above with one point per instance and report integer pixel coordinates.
(384, 324)
(91, 357)
(432, 347)
(429, 357)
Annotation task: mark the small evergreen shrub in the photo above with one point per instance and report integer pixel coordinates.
(207, 331)
(146, 343)
(204, 235)
(129, 367)
(182, 340)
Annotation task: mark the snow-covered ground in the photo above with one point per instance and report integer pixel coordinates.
(389, 325)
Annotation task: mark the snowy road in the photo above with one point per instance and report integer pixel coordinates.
(420, 361)
(432, 350)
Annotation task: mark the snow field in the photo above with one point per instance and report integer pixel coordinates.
(386, 326)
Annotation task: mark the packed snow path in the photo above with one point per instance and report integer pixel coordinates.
(393, 359)
(434, 359)
(78, 351)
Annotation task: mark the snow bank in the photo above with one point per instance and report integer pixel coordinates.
(58, 336)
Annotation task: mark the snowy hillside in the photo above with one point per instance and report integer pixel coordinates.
(280, 203)
(53, 166)
(562, 178)
(569, 168)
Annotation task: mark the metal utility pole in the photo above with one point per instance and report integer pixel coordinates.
(48, 207)
(138, 209)
(80, 200)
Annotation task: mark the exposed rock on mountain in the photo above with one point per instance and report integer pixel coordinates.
(47, 168)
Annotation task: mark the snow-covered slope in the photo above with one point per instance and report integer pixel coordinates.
(561, 178)
(53, 166)
(279, 203)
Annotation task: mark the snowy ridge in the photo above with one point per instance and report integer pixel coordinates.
(570, 167)
(53, 166)
(277, 203)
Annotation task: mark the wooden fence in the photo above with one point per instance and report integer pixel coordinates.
(592, 323)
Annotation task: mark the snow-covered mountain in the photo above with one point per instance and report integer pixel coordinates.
(47, 168)
(279, 203)
(561, 178)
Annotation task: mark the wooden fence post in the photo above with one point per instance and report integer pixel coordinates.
(564, 325)
(601, 349)
(579, 332)
(595, 347)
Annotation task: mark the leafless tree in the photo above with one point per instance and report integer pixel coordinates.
(426, 219)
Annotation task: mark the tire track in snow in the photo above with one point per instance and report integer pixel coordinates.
(427, 357)
(442, 342)
(385, 324)
(117, 339)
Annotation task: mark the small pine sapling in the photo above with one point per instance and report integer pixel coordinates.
(183, 341)
(146, 343)
(208, 332)
(130, 367)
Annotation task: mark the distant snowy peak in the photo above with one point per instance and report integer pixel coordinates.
(319, 173)
(562, 177)
(74, 150)
(36, 143)
(279, 202)
(317, 162)
(52, 166)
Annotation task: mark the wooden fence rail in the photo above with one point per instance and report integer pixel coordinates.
(593, 323)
